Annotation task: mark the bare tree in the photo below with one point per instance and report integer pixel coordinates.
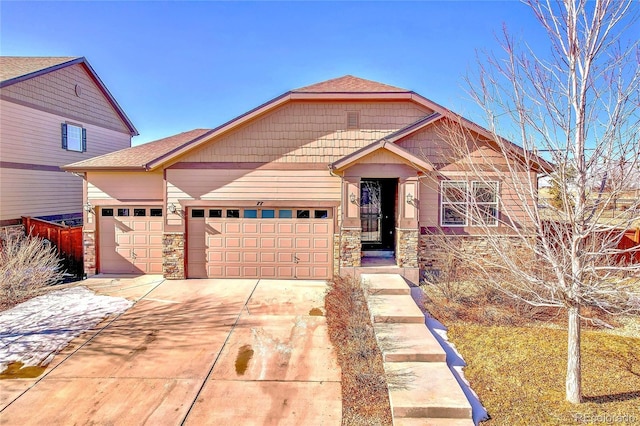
(578, 105)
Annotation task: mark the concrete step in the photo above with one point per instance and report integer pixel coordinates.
(394, 309)
(408, 343)
(425, 390)
(385, 284)
(432, 422)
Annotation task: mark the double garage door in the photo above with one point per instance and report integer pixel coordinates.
(259, 243)
(130, 240)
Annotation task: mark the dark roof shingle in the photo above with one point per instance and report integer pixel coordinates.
(18, 66)
(138, 157)
(349, 84)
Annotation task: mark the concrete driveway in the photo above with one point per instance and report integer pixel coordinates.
(192, 352)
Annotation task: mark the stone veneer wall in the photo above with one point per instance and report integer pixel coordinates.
(350, 248)
(407, 248)
(173, 256)
(89, 252)
(433, 252)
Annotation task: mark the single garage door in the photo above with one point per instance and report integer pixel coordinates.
(264, 243)
(130, 240)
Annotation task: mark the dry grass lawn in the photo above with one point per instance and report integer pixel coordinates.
(518, 373)
(516, 359)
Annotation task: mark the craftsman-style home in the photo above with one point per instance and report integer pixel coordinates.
(321, 180)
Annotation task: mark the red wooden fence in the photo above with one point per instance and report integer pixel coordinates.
(67, 240)
(630, 241)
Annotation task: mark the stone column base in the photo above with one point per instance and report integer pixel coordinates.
(89, 252)
(350, 247)
(407, 247)
(173, 256)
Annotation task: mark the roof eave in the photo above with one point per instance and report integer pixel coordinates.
(94, 76)
(237, 121)
(72, 168)
(40, 72)
(353, 158)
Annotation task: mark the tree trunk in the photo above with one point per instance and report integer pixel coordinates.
(574, 358)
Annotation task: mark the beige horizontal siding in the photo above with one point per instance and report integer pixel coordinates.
(55, 92)
(38, 193)
(256, 185)
(124, 186)
(309, 132)
(34, 137)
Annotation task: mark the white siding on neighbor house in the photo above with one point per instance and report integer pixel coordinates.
(309, 132)
(31, 137)
(38, 193)
(216, 184)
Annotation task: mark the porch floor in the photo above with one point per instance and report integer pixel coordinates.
(371, 262)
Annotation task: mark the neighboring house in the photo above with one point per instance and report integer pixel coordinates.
(308, 185)
(53, 111)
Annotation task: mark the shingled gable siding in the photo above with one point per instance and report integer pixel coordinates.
(55, 92)
(309, 132)
(31, 155)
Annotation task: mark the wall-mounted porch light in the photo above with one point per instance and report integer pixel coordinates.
(88, 207)
(352, 198)
(171, 208)
(409, 198)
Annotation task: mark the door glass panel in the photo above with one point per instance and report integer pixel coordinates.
(251, 213)
(233, 213)
(370, 208)
(285, 214)
(268, 214)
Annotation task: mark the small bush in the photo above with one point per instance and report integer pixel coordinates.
(365, 398)
(27, 265)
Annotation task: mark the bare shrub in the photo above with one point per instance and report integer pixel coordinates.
(365, 398)
(449, 280)
(27, 265)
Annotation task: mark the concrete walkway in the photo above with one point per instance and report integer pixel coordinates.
(192, 352)
(422, 389)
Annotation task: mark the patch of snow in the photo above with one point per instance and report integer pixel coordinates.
(34, 331)
(454, 360)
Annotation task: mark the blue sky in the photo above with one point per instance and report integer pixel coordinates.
(175, 66)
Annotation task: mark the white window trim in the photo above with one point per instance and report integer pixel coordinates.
(495, 203)
(443, 203)
(467, 203)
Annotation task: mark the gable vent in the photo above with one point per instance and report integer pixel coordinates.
(353, 120)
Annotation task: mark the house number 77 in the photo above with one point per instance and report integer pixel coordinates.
(259, 203)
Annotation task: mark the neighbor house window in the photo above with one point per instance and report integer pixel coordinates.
(480, 203)
(74, 138)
